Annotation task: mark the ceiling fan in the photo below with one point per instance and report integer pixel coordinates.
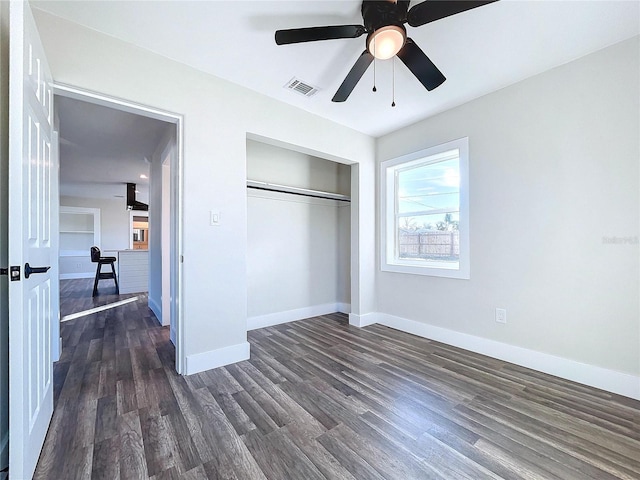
(386, 37)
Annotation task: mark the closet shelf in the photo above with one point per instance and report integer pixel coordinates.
(306, 192)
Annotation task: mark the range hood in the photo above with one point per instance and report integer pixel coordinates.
(132, 203)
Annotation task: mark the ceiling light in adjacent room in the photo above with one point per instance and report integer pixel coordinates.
(143, 176)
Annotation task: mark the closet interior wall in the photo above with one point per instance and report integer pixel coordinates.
(298, 254)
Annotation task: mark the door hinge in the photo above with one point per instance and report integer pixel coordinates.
(4, 271)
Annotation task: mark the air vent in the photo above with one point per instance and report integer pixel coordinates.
(300, 87)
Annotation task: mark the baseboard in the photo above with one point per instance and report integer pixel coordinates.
(4, 451)
(610, 380)
(363, 320)
(344, 307)
(71, 276)
(156, 309)
(217, 358)
(271, 319)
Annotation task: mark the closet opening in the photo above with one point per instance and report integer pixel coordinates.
(298, 235)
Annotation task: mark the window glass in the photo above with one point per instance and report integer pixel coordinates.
(425, 212)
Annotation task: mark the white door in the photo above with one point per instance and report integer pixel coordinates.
(54, 273)
(30, 243)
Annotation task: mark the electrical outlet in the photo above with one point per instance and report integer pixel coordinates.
(501, 315)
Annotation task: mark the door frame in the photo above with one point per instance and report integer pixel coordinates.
(135, 213)
(176, 194)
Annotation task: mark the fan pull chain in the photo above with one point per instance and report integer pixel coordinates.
(374, 66)
(393, 82)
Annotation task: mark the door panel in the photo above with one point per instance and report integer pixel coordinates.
(30, 229)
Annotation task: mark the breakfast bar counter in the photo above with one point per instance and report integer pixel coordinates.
(133, 271)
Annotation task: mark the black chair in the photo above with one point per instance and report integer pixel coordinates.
(96, 258)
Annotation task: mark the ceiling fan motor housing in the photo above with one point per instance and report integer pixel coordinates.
(377, 14)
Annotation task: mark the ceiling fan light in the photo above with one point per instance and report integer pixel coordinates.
(386, 42)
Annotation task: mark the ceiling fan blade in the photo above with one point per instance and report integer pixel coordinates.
(420, 65)
(432, 10)
(353, 77)
(312, 34)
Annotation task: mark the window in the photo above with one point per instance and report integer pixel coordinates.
(425, 212)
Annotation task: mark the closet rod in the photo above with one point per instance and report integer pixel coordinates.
(305, 192)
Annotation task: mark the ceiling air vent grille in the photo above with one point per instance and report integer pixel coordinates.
(300, 87)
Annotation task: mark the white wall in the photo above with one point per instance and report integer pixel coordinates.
(218, 117)
(156, 246)
(298, 250)
(166, 245)
(553, 172)
(114, 219)
(553, 157)
(268, 163)
(344, 255)
(4, 183)
(114, 233)
(344, 239)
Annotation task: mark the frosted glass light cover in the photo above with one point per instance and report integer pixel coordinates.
(386, 42)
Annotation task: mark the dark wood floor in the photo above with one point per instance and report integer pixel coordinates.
(321, 399)
(76, 295)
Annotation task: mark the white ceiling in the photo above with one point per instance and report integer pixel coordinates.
(479, 51)
(102, 149)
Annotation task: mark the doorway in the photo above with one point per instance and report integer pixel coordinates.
(139, 231)
(155, 234)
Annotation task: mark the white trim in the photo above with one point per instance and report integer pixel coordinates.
(299, 148)
(176, 263)
(136, 213)
(270, 319)
(177, 194)
(217, 358)
(85, 95)
(387, 201)
(610, 380)
(361, 321)
(344, 307)
(71, 276)
(101, 308)
(156, 309)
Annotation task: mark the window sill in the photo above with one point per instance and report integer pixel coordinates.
(446, 272)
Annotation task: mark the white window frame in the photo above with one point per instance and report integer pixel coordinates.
(388, 260)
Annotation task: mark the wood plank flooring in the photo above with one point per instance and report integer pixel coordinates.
(76, 295)
(321, 399)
